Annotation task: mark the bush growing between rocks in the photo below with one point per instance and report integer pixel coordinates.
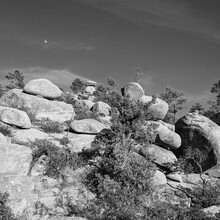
(50, 126)
(57, 158)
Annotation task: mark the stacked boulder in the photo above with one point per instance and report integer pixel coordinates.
(41, 97)
(164, 137)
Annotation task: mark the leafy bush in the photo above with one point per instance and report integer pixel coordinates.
(64, 140)
(5, 211)
(50, 126)
(57, 158)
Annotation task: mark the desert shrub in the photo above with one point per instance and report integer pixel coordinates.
(191, 161)
(57, 158)
(50, 126)
(84, 114)
(5, 130)
(64, 140)
(120, 177)
(5, 211)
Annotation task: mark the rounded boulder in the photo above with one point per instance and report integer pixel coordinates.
(43, 87)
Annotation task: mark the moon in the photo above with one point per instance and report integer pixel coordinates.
(45, 41)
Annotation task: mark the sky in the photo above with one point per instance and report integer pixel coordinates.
(176, 43)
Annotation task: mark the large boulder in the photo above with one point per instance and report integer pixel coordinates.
(157, 110)
(200, 133)
(43, 87)
(87, 126)
(15, 117)
(214, 171)
(161, 156)
(14, 159)
(133, 90)
(40, 107)
(162, 135)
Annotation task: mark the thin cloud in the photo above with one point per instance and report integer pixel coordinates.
(169, 14)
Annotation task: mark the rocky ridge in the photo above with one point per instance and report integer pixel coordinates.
(25, 191)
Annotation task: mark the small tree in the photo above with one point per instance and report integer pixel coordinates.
(15, 79)
(138, 75)
(175, 101)
(197, 107)
(77, 85)
(216, 89)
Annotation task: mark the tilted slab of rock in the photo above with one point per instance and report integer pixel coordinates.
(163, 136)
(175, 177)
(214, 171)
(15, 117)
(156, 110)
(87, 126)
(200, 132)
(42, 108)
(159, 178)
(14, 159)
(102, 108)
(134, 90)
(43, 87)
(160, 155)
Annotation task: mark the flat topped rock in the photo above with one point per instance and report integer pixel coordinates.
(87, 126)
(43, 87)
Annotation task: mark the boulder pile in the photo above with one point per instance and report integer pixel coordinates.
(23, 111)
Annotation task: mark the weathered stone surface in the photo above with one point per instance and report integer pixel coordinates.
(200, 133)
(170, 126)
(3, 139)
(159, 178)
(43, 87)
(15, 117)
(156, 110)
(194, 178)
(161, 156)
(163, 136)
(89, 90)
(106, 120)
(211, 211)
(102, 108)
(14, 159)
(87, 126)
(29, 135)
(83, 104)
(214, 171)
(42, 108)
(166, 194)
(134, 90)
(175, 177)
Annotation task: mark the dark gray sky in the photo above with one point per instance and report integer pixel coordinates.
(176, 43)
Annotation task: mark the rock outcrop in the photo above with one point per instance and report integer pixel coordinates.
(200, 133)
(40, 107)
